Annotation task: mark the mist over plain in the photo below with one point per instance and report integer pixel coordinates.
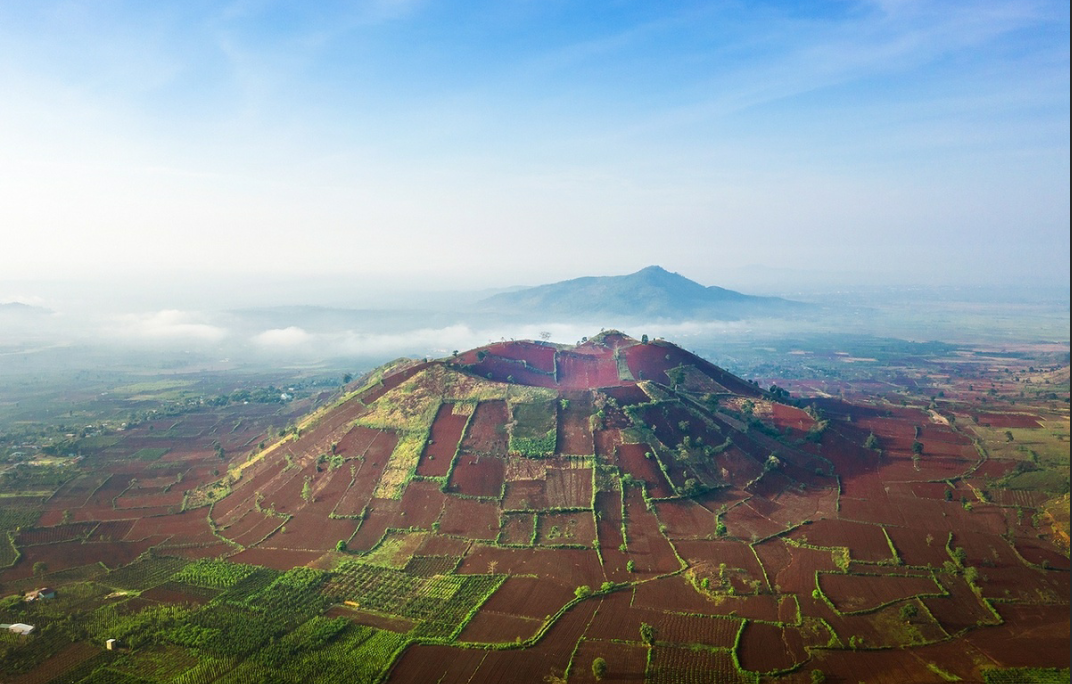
(226, 322)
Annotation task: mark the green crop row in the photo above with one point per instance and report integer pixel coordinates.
(214, 574)
(144, 573)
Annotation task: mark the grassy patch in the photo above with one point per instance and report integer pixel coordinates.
(396, 549)
(157, 389)
(214, 574)
(400, 467)
(534, 428)
(1052, 481)
(8, 553)
(149, 453)
(441, 605)
(98, 442)
(409, 407)
(14, 518)
(144, 573)
(1027, 675)
(1042, 441)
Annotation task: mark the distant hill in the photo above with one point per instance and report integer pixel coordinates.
(651, 293)
(22, 309)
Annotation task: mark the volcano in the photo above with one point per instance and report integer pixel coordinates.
(528, 512)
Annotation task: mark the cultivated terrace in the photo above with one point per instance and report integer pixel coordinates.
(618, 510)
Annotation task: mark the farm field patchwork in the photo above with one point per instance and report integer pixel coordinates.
(527, 511)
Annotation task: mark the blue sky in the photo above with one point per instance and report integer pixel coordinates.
(484, 144)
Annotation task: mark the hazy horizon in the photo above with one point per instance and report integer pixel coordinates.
(221, 323)
(176, 175)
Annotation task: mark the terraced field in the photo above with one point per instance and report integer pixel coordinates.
(522, 511)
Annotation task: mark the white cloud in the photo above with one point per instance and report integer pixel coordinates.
(290, 337)
(169, 324)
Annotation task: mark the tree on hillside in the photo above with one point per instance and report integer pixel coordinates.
(647, 634)
(599, 668)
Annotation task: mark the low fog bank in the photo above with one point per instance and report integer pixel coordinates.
(43, 329)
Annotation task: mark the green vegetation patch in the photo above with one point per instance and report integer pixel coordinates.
(292, 597)
(160, 389)
(265, 627)
(95, 671)
(359, 654)
(1050, 481)
(1027, 675)
(23, 482)
(208, 669)
(8, 553)
(224, 630)
(149, 453)
(622, 364)
(156, 664)
(326, 651)
(134, 629)
(79, 597)
(396, 548)
(441, 605)
(250, 585)
(214, 574)
(534, 428)
(253, 613)
(144, 573)
(14, 518)
(413, 404)
(402, 463)
(98, 442)
(11, 520)
(410, 407)
(1042, 444)
(354, 653)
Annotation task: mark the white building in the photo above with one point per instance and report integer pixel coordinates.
(18, 628)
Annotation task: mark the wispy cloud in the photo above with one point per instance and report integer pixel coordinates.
(800, 56)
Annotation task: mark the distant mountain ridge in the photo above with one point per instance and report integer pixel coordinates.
(651, 293)
(21, 308)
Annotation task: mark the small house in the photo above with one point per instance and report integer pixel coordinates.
(18, 628)
(39, 594)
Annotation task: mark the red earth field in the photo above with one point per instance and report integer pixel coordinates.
(687, 527)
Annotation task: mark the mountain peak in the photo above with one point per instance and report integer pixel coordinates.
(609, 359)
(651, 292)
